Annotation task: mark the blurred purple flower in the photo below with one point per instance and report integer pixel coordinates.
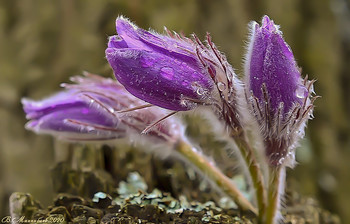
(87, 111)
(159, 69)
(280, 99)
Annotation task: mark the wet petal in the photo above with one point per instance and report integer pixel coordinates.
(158, 69)
(157, 78)
(271, 62)
(281, 102)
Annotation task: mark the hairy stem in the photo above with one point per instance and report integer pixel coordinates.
(208, 168)
(276, 180)
(255, 174)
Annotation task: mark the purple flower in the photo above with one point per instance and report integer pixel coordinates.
(162, 70)
(280, 99)
(271, 62)
(87, 111)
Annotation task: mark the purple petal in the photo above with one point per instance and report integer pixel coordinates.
(135, 37)
(167, 45)
(158, 69)
(116, 42)
(70, 116)
(128, 34)
(157, 78)
(36, 109)
(271, 62)
(59, 120)
(86, 110)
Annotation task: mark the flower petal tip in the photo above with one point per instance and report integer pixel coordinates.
(268, 24)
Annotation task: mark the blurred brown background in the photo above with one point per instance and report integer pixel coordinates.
(43, 42)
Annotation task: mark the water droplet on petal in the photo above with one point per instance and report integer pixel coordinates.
(167, 73)
(301, 92)
(146, 62)
(183, 102)
(221, 86)
(200, 91)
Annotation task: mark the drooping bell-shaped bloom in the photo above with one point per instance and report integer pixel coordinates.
(279, 98)
(87, 110)
(159, 69)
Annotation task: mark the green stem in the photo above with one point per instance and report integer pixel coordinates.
(254, 172)
(208, 168)
(276, 177)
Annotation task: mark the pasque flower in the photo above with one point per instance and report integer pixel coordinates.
(87, 110)
(172, 71)
(162, 70)
(97, 108)
(281, 103)
(279, 98)
(177, 73)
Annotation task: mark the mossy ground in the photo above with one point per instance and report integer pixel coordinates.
(172, 193)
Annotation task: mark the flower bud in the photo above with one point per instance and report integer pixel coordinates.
(158, 69)
(279, 98)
